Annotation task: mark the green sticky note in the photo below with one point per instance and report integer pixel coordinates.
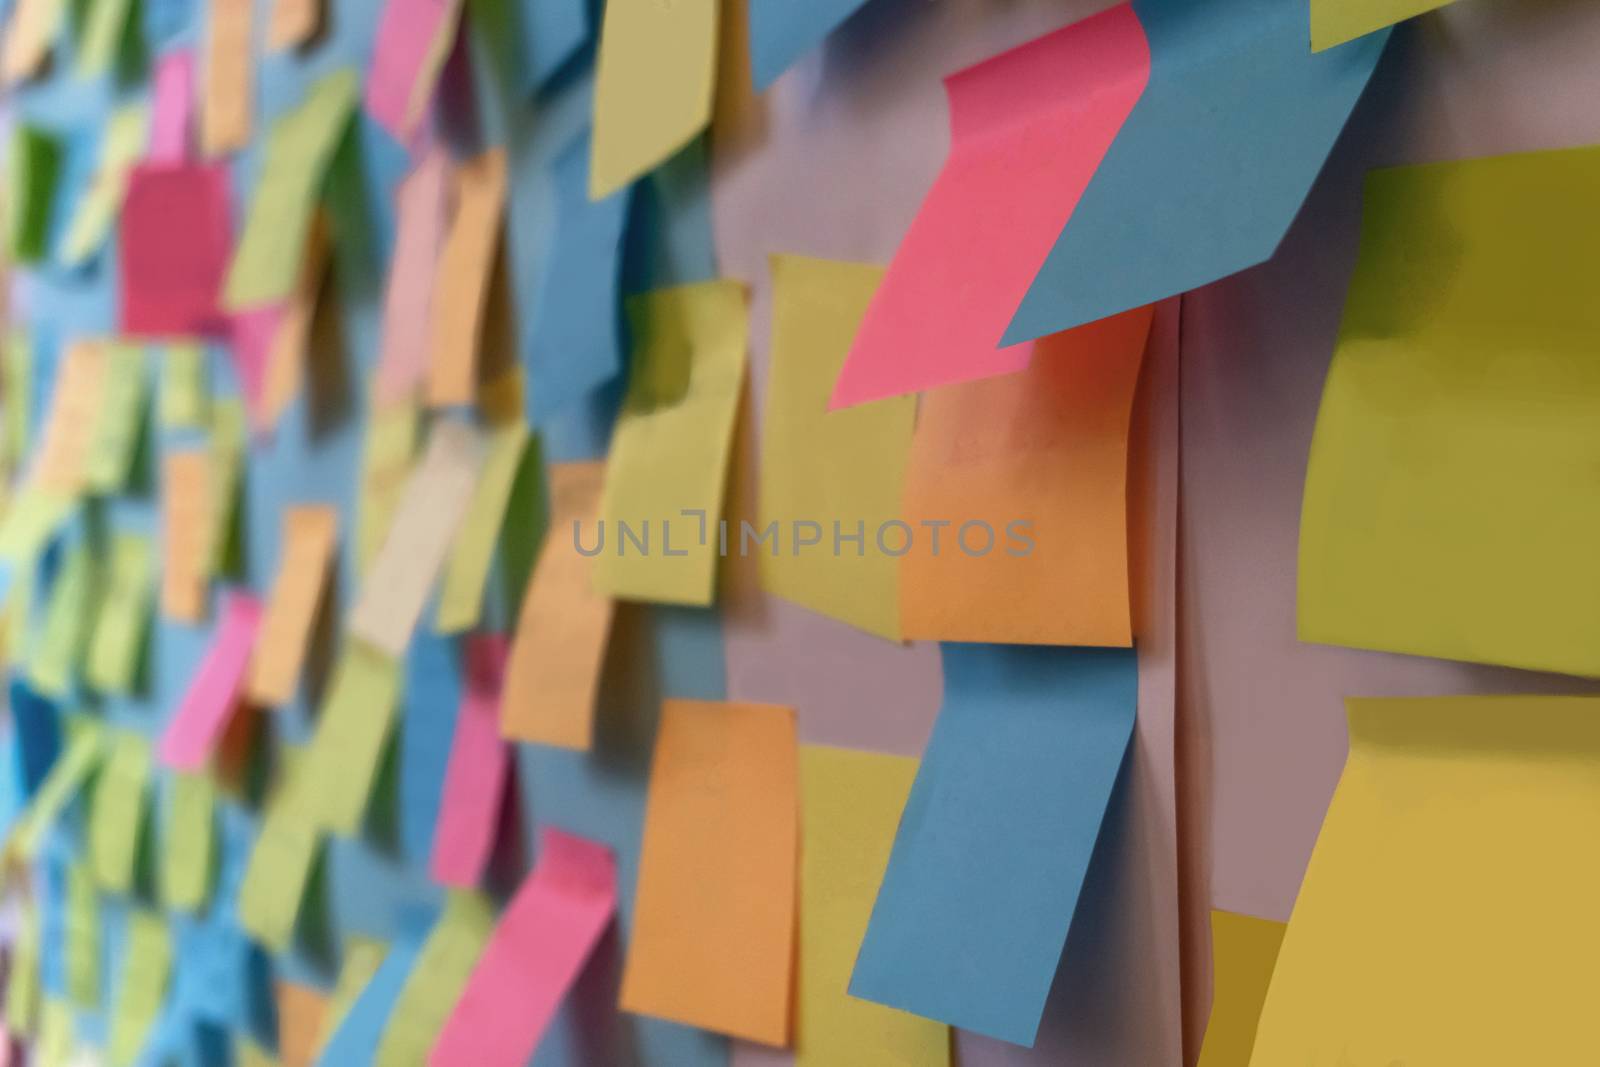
(186, 847)
(352, 728)
(280, 866)
(119, 629)
(54, 1046)
(185, 402)
(146, 967)
(16, 387)
(22, 981)
(229, 439)
(103, 30)
(32, 519)
(83, 938)
(34, 167)
(117, 812)
(362, 958)
(461, 597)
(436, 980)
(121, 409)
(59, 646)
(246, 1053)
(84, 750)
(120, 148)
(269, 256)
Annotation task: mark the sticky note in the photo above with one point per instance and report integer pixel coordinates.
(536, 952)
(293, 23)
(173, 95)
(995, 840)
(1244, 950)
(121, 145)
(360, 1027)
(653, 87)
(30, 34)
(300, 1013)
(281, 861)
(252, 338)
(1456, 413)
(475, 779)
(58, 647)
(713, 923)
(185, 398)
(104, 26)
(225, 475)
(85, 748)
(669, 451)
(431, 507)
(146, 967)
(116, 642)
(559, 646)
(191, 735)
(16, 391)
(851, 803)
(227, 65)
(441, 972)
(302, 141)
(827, 475)
(1444, 887)
(121, 416)
(289, 346)
(461, 280)
(358, 964)
(185, 527)
(413, 40)
(31, 520)
(421, 217)
(781, 32)
(472, 551)
(1333, 22)
(22, 976)
(308, 542)
(116, 816)
(391, 442)
(33, 169)
(55, 1033)
(188, 841)
(70, 429)
(353, 726)
(83, 938)
(1211, 166)
(172, 278)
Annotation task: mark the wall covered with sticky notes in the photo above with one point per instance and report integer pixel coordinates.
(593, 532)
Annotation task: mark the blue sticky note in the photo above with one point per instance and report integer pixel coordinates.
(427, 730)
(356, 1039)
(997, 833)
(1212, 165)
(552, 32)
(38, 735)
(781, 31)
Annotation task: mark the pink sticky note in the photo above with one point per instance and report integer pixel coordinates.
(1028, 129)
(400, 58)
(420, 224)
(176, 235)
(250, 335)
(174, 93)
(536, 952)
(193, 732)
(474, 780)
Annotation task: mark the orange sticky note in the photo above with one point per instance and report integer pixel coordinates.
(291, 339)
(293, 23)
(185, 531)
(74, 418)
(461, 284)
(300, 1013)
(309, 534)
(713, 924)
(1016, 498)
(560, 642)
(229, 78)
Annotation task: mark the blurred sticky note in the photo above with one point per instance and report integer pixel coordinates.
(436, 981)
(31, 29)
(281, 861)
(227, 97)
(995, 840)
(851, 803)
(1444, 513)
(16, 393)
(59, 644)
(300, 1013)
(712, 943)
(105, 25)
(432, 506)
(288, 347)
(71, 425)
(461, 281)
(208, 704)
(117, 640)
(185, 397)
(293, 23)
(358, 967)
(146, 968)
(1451, 812)
(85, 748)
(560, 641)
(308, 542)
(391, 443)
(172, 277)
(653, 87)
(31, 519)
(82, 938)
(782, 31)
(1022, 479)
(537, 951)
(121, 145)
(669, 452)
(352, 728)
(188, 841)
(1027, 130)
(33, 169)
(117, 813)
(1333, 22)
(1244, 950)
(173, 96)
(1211, 166)
(121, 417)
(831, 474)
(472, 551)
(185, 527)
(475, 778)
(361, 1026)
(22, 974)
(413, 41)
(271, 250)
(225, 476)
(421, 216)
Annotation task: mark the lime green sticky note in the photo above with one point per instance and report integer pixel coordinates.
(59, 646)
(83, 938)
(302, 142)
(392, 434)
(34, 167)
(461, 597)
(352, 728)
(22, 981)
(436, 980)
(120, 148)
(103, 30)
(246, 1053)
(121, 409)
(31, 520)
(187, 844)
(280, 866)
(361, 960)
(125, 607)
(16, 387)
(185, 386)
(117, 812)
(229, 439)
(146, 968)
(84, 750)
(54, 1045)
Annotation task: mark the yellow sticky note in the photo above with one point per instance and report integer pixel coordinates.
(146, 967)
(669, 451)
(436, 980)
(1445, 511)
(310, 533)
(116, 817)
(352, 728)
(827, 475)
(185, 386)
(653, 86)
(111, 448)
(1333, 22)
(59, 645)
(361, 959)
(22, 977)
(291, 343)
(30, 35)
(83, 938)
(55, 1033)
(851, 804)
(32, 517)
(85, 748)
(293, 23)
(461, 279)
(124, 618)
(467, 569)
(1447, 915)
(227, 101)
(280, 865)
(226, 456)
(392, 435)
(74, 417)
(188, 841)
(185, 533)
(104, 28)
(1244, 950)
(121, 146)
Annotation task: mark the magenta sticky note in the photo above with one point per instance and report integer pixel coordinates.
(172, 275)
(537, 951)
(1028, 128)
(475, 778)
(420, 218)
(174, 96)
(401, 57)
(193, 731)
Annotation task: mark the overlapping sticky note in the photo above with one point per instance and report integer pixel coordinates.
(997, 834)
(55, 658)
(361, 1026)
(82, 938)
(300, 1013)
(713, 921)
(109, 462)
(72, 424)
(460, 296)
(146, 969)
(832, 478)
(117, 815)
(208, 704)
(188, 841)
(1333, 22)
(475, 778)
(392, 435)
(421, 202)
(466, 572)
(309, 540)
(121, 145)
(413, 41)
(1244, 950)
(1447, 913)
(279, 870)
(123, 620)
(85, 748)
(1445, 513)
(436, 981)
(172, 101)
(31, 30)
(353, 727)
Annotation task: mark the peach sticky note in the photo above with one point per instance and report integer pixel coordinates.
(1016, 498)
(309, 533)
(1028, 128)
(475, 778)
(228, 70)
(420, 215)
(413, 41)
(70, 427)
(560, 643)
(536, 952)
(193, 731)
(293, 23)
(712, 943)
(185, 531)
(461, 283)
